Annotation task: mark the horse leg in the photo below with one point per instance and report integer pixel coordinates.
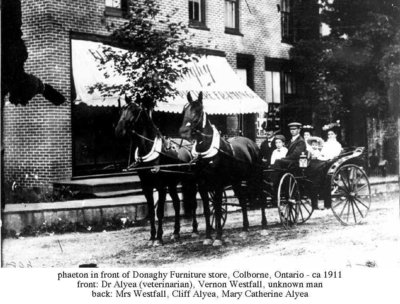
(206, 205)
(189, 191)
(263, 219)
(148, 193)
(177, 207)
(195, 225)
(218, 216)
(162, 193)
(238, 192)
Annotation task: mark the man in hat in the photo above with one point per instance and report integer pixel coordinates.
(297, 144)
(268, 145)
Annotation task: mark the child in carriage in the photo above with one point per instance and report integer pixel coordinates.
(280, 150)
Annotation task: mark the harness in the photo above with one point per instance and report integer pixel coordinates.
(153, 154)
(214, 147)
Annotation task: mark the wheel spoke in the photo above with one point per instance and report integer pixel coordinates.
(355, 204)
(348, 211)
(354, 212)
(341, 213)
(340, 202)
(344, 183)
(361, 188)
(305, 207)
(356, 198)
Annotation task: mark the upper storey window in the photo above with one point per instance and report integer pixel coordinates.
(232, 16)
(116, 8)
(287, 21)
(197, 13)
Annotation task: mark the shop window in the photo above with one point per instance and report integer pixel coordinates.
(273, 86)
(290, 83)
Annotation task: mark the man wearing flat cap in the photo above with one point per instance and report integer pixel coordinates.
(295, 147)
(268, 145)
(297, 144)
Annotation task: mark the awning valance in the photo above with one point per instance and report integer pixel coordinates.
(223, 91)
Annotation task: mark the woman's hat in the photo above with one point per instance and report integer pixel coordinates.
(281, 137)
(335, 127)
(319, 140)
(307, 128)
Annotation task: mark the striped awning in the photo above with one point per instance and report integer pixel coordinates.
(223, 91)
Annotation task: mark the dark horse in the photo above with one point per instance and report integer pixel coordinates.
(221, 163)
(152, 151)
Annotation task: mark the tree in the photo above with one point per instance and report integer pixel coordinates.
(345, 70)
(157, 53)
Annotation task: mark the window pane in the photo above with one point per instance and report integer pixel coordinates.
(113, 3)
(195, 10)
(276, 85)
(230, 13)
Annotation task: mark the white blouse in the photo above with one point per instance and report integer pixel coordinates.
(330, 150)
(278, 154)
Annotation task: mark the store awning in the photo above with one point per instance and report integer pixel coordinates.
(223, 91)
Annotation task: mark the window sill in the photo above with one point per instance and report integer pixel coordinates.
(233, 31)
(114, 12)
(199, 26)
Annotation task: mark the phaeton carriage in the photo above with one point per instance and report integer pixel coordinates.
(345, 186)
(218, 163)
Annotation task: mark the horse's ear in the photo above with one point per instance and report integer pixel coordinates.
(189, 97)
(200, 98)
(128, 100)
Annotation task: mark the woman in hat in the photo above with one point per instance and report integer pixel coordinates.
(280, 151)
(316, 170)
(306, 132)
(314, 145)
(332, 148)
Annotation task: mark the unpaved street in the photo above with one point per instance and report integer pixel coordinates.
(322, 239)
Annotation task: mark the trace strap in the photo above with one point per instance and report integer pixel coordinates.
(153, 154)
(214, 147)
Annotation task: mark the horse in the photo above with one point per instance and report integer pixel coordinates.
(153, 151)
(221, 163)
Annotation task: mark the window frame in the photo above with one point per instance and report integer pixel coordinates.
(287, 24)
(233, 30)
(202, 13)
(115, 11)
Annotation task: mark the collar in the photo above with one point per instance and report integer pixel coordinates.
(295, 137)
(153, 154)
(214, 147)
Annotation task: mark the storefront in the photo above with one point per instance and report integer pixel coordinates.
(96, 150)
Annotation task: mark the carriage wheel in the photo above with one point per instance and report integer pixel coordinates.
(288, 198)
(350, 194)
(224, 208)
(305, 210)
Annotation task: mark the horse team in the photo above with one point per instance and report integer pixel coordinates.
(210, 165)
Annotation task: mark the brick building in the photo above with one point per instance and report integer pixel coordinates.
(41, 139)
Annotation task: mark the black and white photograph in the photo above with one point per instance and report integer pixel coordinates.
(160, 151)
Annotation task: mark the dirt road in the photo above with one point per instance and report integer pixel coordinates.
(321, 240)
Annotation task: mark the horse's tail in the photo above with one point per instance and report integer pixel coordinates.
(189, 190)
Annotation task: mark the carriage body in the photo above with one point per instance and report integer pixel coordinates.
(345, 189)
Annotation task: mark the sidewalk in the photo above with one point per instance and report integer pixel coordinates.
(18, 216)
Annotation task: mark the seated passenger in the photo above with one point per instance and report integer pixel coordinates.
(268, 145)
(307, 133)
(317, 166)
(280, 151)
(314, 145)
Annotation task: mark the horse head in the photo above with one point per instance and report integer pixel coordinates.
(193, 115)
(130, 116)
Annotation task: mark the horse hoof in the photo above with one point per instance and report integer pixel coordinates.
(175, 237)
(207, 242)
(264, 226)
(150, 243)
(217, 243)
(244, 234)
(157, 243)
(195, 235)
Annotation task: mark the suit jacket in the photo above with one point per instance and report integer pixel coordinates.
(266, 150)
(296, 148)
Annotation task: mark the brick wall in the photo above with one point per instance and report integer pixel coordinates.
(38, 138)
